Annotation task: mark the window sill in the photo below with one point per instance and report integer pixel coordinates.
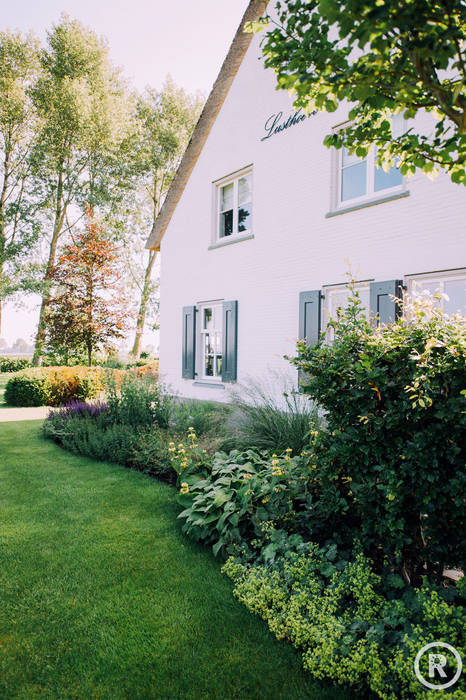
(369, 203)
(230, 240)
(209, 385)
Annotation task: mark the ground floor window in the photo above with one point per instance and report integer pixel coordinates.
(210, 340)
(336, 296)
(451, 286)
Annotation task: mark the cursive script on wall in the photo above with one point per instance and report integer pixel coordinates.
(275, 123)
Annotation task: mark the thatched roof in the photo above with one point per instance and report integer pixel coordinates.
(231, 64)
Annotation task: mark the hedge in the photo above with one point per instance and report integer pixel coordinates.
(53, 386)
(13, 364)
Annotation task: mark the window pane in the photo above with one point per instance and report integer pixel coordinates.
(226, 197)
(226, 223)
(219, 366)
(208, 319)
(209, 366)
(347, 159)
(383, 180)
(208, 349)
(456, 292)
(244, 189)
(353, 181)
(245, 217)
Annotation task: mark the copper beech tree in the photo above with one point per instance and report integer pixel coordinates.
(87, 311)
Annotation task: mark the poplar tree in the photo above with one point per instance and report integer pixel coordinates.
(84, 111)
(18, 232)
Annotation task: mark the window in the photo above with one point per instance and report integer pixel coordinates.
(451, 285)
(360, 180)
(234, 205)
(336, 296)
(210, 341)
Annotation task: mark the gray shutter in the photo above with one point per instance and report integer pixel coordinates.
(309, 316)
(384, 308)
(230, 340)
(189, 342)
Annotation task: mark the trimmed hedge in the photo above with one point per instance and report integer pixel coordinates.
(53, 386)
(13, 364)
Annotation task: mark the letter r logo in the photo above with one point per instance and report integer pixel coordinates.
(436, 663)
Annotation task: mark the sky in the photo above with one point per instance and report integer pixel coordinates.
(148, 39)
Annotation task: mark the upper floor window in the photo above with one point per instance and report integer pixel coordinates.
(234, 205)
(361, 178)
(358, 181)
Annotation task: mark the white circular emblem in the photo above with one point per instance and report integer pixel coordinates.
(436, 664)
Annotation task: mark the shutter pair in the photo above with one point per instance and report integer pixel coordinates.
(230, 341)
(383, 307)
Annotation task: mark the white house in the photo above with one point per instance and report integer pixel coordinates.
(262, 221)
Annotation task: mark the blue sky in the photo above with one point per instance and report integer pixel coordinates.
(148, 39)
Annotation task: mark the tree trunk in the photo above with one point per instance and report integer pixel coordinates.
(60, 212)
(3, 196)
(143, 304)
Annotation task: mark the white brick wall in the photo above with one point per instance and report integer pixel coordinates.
(295, 248)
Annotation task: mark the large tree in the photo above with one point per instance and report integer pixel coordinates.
(87, 309)
(84, 111)
(382, 58)
(165, 121)
(18, 70)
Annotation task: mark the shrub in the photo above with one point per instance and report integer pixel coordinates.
(242, 492)
(336, 611)
(13, 364)
(53, 386)
(150, 454)
(392, 461)
(202, 416)
(271, 415)
(138, 402)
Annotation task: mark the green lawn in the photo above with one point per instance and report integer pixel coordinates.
(102, 597)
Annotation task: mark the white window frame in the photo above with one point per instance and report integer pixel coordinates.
(233, 178)
(327, 291)
(200, 341)
(371, 195)
(414, 282)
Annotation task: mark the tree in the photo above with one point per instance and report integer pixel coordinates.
(165, 121)
(87, 309)
(84, 110)
(18, 232)
(383, 58)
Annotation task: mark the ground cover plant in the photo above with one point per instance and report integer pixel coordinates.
(102, 596)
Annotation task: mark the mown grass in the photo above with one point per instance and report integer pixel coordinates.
(102, 597)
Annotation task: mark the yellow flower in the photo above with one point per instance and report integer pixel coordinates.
(191, 428)
(171, 444)
(274, 455)
(265, 500)
(287, 458)
(182, 451)
(274, 462)
(180, 445)
(246, 476)
(184, 487)
(303, 454)
(288, 449)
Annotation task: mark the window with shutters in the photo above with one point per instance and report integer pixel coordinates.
(234, 205)
(449, 288)
(336, 297)
(210, 324)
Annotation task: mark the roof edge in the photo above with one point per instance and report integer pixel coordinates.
(228, 71)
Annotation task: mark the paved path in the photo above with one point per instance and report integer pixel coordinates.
(12, 414)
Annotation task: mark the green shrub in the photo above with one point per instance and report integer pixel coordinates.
(242, 492)
(271, 415)
(150, 454)
(203, 416)
(336, 611)
(53, 386)
(13, 364)
(138, 401)
(392, 461)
